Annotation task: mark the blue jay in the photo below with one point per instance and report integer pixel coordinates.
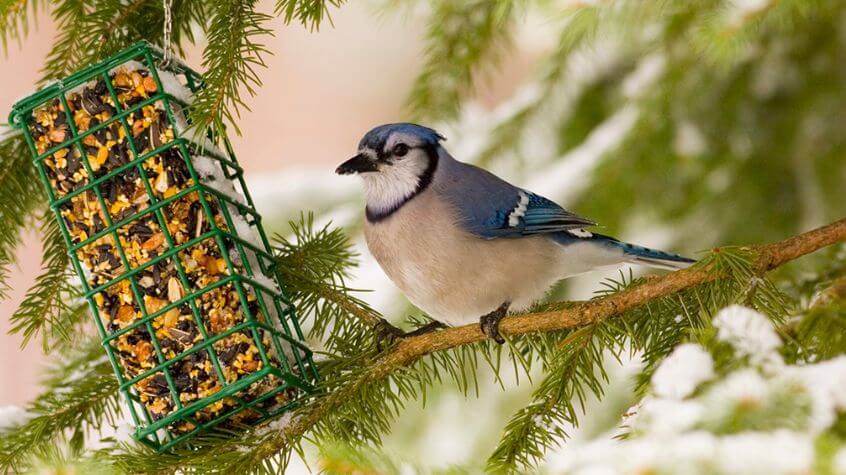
(464, 245)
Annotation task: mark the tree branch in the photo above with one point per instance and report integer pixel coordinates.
(767, 257)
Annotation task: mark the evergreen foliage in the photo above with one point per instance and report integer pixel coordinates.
(726, 119)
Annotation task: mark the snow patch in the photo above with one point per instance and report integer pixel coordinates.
(839, 462)
(689, 141)
(670, 416)
(764, 453)
(12, 416)
(688, 366)
(825, 383)
(173, 86)
(211, 173)
(648, 70)
(277, 425)
(749, 332)
(564, 178)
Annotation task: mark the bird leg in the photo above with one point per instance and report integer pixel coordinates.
(387, 334)
(490, 322)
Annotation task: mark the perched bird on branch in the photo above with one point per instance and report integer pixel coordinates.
(465, 245)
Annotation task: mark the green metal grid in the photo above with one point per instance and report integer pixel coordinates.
(299, 374)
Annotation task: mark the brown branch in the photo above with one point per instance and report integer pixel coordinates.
(767, 257)
(367, 316)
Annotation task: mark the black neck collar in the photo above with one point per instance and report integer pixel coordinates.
(422, 184)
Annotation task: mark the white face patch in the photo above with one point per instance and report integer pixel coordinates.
(580, 233)
(519, 210)
(394, 183)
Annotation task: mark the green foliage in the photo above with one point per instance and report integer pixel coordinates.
(90, 31)
(575, 370)
(465, 37)
(70, 50)
(13, 20)
(766, 145)
(231, 60)
(20, 196)
(315, 263)
(81, 395)
(735, 128)
(308, 12)
(572, 374)
(52, 307)
(338, 458)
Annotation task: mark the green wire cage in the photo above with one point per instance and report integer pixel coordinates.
(170, 251)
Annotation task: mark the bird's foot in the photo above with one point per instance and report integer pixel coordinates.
(387, 334)
(490, 322)
(427, 328)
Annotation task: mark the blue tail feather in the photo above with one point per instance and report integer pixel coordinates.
(645, 255)
(633, 253)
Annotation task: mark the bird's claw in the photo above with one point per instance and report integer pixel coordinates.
(427, 328)
(490, 322)
(386, 334)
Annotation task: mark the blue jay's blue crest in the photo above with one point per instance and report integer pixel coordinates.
(378, 136)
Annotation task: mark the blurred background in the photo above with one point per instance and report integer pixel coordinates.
(679, 125)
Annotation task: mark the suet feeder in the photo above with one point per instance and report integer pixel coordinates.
(169, 248)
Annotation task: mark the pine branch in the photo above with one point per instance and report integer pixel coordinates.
(539, 425)
(115, 24)
(652, 330)
(310, 13)
(314, 264)
(462, 38)
(82, 394)
(186, 15)
(20, 196)
(70, 48)
(277, 445)
(14, 21)
(230, 60)
(51, 306)
(90, 31)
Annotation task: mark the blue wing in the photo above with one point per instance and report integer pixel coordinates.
(531, 214)
(491, 207)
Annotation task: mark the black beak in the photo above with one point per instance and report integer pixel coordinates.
(361, 163)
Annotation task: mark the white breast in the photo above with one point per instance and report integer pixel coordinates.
(456, 277)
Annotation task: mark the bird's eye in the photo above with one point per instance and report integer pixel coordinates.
(400, 150)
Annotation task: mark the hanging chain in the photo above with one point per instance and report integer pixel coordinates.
(168, 26)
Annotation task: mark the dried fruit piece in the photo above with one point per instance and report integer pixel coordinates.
(155, 241)
(149, 84)
(57, 135)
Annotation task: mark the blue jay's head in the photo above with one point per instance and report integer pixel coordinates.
(395, 161)
(390, 145)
